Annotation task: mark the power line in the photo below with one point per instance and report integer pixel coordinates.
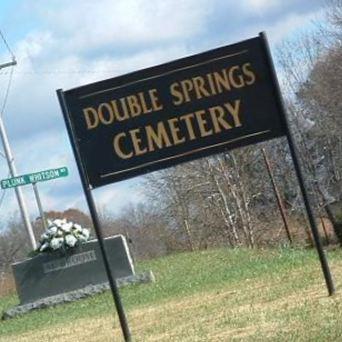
(7, 45)
(63, 72)
(11, 73)
(7, 92)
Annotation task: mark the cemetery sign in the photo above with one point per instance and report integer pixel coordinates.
(175, 112)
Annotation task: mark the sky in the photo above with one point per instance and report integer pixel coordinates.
(65, 44)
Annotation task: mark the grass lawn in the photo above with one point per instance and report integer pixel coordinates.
(216, 295)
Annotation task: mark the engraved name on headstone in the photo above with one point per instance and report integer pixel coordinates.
(74, 260)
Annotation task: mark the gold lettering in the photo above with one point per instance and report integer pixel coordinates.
(199, 87)
(234, 111)
(124, 106)
(160, 138)
(108, 110)
(137, 142)
(246, 68)
(187, 86)
(93, 120)
(143, 104)
(117, 148)
(221, 81)
(217, 113)
(133, 105)
(236, 82)
(211, 84)
(175, 131)
(176, 93)
(202, 122)
(118, 115)
(154, 100)
(187, 118)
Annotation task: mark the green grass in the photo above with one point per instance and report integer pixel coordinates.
(250, 277)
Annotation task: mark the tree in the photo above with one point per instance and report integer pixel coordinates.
(314, 89)
(71, 214)
(14, 244)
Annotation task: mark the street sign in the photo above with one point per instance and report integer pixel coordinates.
(32, 178)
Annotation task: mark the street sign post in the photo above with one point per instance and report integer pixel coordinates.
(32, 178)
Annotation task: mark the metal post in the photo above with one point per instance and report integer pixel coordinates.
(279, 200)
(92, 208)
(13, 173)
(297, 167)
(39, 204)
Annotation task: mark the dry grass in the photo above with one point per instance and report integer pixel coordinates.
(7, 285)
(253, 310)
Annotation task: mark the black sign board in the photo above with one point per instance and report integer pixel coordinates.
(174, 112)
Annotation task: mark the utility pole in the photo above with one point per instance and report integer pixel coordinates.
(13, 172)
(40, 207)
(279, 200)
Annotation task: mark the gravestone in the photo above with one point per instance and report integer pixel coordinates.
(47, 275)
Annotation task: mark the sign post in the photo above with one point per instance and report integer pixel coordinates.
(40, 207)
(299, 174)
(96, 222)
(33, 178)
(172, 113)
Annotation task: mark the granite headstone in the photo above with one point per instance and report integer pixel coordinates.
(51, 274)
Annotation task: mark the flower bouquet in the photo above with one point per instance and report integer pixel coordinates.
(62, 235)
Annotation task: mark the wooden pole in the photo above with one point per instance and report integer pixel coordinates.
(324, 230)
(279, 199)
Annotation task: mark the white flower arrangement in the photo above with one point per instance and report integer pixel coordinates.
(62, 235)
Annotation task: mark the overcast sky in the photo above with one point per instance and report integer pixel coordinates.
(64, 44)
